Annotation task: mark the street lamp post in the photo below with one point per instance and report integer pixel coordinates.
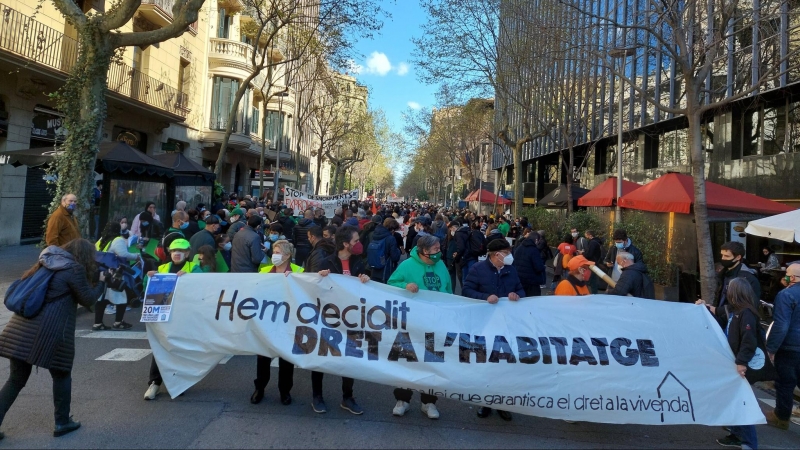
(621, 52)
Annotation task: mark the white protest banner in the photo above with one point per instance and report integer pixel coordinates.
(395, 200)
(597, 358)
(299, 201)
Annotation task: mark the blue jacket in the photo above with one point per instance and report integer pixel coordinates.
(484, 280)
(528, 262)
(785, 334)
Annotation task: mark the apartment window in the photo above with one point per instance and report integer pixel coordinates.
(224, 25)
(244, 118)
(256, 120)
(222, 95)
(183, 77)
(275, 121)
(650, 151)
(793, 125)
(601, 159)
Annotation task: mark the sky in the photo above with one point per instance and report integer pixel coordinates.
(384, 64)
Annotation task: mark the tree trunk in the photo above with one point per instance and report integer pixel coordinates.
(263, 153)
(570, 166)
(335, 181)
(82, 99)
(319, 170)
(705, 255)
(518, 178)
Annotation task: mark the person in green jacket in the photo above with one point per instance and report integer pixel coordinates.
(504, 226)
(424, 269)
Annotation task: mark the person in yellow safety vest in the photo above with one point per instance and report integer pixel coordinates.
(180, 263)
(179, 254)
(113, 302)
(281, 263)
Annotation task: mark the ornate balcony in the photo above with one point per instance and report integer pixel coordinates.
(230, 53)
(159, 12)
(35, 44)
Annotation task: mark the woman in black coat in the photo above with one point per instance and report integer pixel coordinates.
(741, 330)
(48, 339)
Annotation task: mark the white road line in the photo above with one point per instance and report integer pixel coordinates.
(111, 334)
(125, 354)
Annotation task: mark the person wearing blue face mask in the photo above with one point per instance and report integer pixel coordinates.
(274, 234)
(62, 226)
(621, 243)
(180, 221)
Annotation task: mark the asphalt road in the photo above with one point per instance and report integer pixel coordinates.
(107, 399)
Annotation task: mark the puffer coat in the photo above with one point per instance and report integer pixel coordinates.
(48, 339)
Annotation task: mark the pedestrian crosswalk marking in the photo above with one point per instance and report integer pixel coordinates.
(111, 334)
(125, 354)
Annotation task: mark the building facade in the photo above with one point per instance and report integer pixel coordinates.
(174, 96)
(752, 143)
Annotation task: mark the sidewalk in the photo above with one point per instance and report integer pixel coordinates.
(14, 260)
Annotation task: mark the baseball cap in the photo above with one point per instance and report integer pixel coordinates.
(237, 212)
(179, 244)
(579, 261)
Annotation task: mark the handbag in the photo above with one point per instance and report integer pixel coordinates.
(760, 368)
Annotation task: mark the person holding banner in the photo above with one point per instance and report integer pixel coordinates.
(281, 262)
(345, 261)
(424, 269)
(576, 281)
(489, 280)
(179, 254)
(742, 331)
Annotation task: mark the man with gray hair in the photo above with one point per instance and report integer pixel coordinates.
(634, 279)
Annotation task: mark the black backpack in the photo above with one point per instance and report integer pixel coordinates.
(477, 243)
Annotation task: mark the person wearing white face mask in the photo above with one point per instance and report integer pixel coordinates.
(491, 279)
(179, 264)
(281, 262)
(621, 243)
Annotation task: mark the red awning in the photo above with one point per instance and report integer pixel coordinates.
(487, 197)
(674, 192)
(605, 194)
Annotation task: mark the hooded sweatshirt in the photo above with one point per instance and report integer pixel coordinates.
(428, 277)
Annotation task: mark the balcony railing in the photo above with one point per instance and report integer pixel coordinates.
(164, 8)
(221, 124)
(232, 49)
(32, 40)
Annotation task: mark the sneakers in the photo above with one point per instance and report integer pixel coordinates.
(110, 310)
(69, 427)
(318, 405)
(730, 441)
(350, 404)
(429, 409)
(776, 422)
(400, 408)
(100, 327)
(152, 391)
(121, 326)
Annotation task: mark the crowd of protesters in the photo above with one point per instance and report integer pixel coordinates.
(409, 246)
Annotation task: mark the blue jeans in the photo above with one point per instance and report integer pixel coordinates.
(746, 434)
(465, 266)
(787, 364)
